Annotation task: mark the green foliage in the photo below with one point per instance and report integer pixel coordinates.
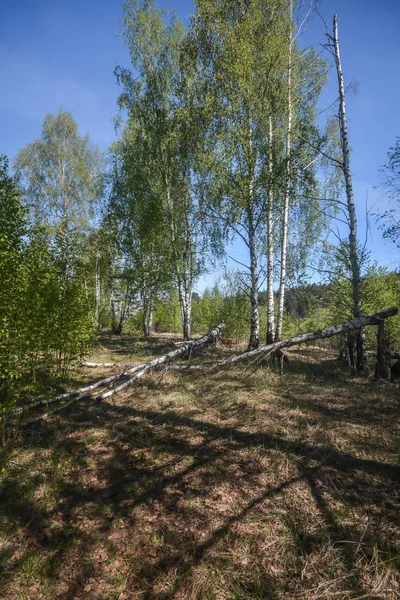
(390, 219)
(59, 175)
(12, 341)
(223, 304)
(381, 290)
(151, 210)
(167, 314)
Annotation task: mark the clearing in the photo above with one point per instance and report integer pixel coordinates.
(236, 485)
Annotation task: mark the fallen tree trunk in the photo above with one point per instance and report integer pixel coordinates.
(319, 334)
(91, 396)
(86, 392)
(93, 365)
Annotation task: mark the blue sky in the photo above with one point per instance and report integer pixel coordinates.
(63, 52)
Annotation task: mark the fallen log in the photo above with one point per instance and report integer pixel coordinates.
(319, 334)
(86, 392)
(91, 396)
(92, 365)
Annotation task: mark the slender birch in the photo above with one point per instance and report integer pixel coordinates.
(361, 363)
(288, 184)
(270, 241)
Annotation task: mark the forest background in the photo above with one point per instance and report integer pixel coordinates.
(98, 238)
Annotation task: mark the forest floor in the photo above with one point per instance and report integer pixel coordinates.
(236, 485)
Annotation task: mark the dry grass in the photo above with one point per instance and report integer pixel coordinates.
(228, 486)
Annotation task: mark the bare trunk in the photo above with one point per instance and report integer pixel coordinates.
(98, 293)
(184, 267)
(285, 221)
(254, 341)
(113, 313)
(148, 317)
(185, 283)
(270, 245)
(361, 364)
(185, 299)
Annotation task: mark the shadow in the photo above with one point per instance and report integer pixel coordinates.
(180, 498)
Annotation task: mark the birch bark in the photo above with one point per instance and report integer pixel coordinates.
(285, 220)
(98, 290)
(254, 341)
(361, 362)
(255, 321)
(184, 267)
(270, 244)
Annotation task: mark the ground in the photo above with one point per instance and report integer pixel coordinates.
(228, 486)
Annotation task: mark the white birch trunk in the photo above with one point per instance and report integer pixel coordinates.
(148, 310)
(97, 291)
(185, 284)
(361, 361)
(285, 220)
(186, 307)
(270, 245)
(113, 312)
(183, 266)
(254, 340)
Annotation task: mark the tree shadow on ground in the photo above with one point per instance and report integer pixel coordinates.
(130, 498)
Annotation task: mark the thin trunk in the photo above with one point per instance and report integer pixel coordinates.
(183, 269)
(285, 221)
(118, 322)
(186, 273)
(185, 299)
(148, 317)
(254, 341)
(98, 292)
(361, 364)
(113, 313)
(270, 245)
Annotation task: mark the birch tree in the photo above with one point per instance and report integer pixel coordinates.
(242, 59)
(13, 227)
(305, 76)
(354, 253)
(59, 176)
(270, 333)
(159, 106)
(141, 265)
(288, 177)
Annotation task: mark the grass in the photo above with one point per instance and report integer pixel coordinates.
(227, 486)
